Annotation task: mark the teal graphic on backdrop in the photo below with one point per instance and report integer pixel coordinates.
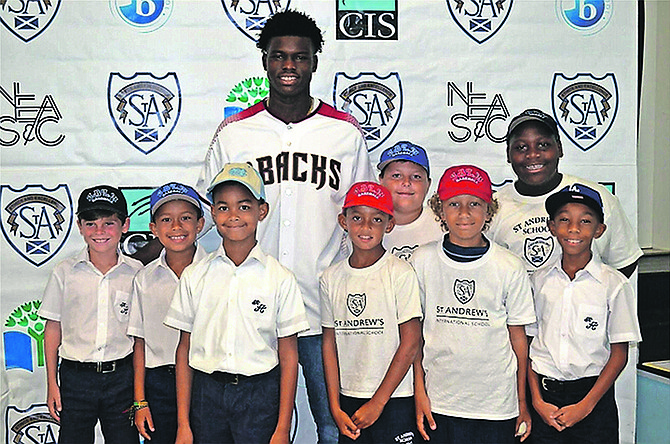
(367, 20)
(246, 93)
(138, 199)
(585, 16)
(249, 16)
(143, 15)
(480, 19)
(23, 337)
(27, 19)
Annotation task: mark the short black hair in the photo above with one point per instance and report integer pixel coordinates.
(95, 214)
(293, 23)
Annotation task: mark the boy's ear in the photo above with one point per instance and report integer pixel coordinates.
(152, 227)
(390, 225)
(600, 230)
(264, 210)
(342, 220)
(126, 225)
(316, 63)
(552, 227)
(264, 60)
(560, 148)
(201, 224)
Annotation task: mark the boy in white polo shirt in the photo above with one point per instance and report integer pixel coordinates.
(86, 304)
(239, 312)
(370, 316)
(586, 316)
(176, 220)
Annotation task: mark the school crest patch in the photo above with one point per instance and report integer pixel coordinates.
(480, 19)
(464, 290)
(537, 250)
(28, 19)
(356, 303)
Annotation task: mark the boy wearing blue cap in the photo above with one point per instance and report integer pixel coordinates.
(176, 220)
(239, 312)
(404, 170)
(587, 315)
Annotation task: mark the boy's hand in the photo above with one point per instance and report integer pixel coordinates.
(369, 412)
(280, 437)
(570, 415)
(143, 420)
(423, 413)
(546, 412)
(346, 425)
(523, 432)
(184, 436)
(53, 401)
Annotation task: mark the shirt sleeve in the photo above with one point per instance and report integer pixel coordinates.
(327, 317)
(519, 300)
(408, 302)
(181, 313)
(623, 324)
(52, 301)
(618, 246)
(136, 317)
(291, 317)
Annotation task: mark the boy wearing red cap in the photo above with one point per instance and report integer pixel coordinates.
(470, 376)
(370, 316)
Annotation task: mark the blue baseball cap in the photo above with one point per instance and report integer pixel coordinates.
(404, 151)
(174, 191)
(575, 193)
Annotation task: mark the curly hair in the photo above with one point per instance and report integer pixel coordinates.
(291, 23)
(436, 205)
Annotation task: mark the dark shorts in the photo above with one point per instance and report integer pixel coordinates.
(160, 392)
(88, 396)
(396, 424)
(224, 411)
(600, 426)
(454, 430)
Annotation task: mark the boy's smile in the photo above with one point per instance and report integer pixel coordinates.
(465, 216)
(290, 62)
(236, 213)
(366, 226)
(534, 154)
(408, 183)
(104, 234)
(177, 225)
(575, 225)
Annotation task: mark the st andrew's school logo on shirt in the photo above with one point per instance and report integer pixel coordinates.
(143, 15)
(144, 108)
(23, 338)
(27, 19)
(537, 250)
(249, 16)
(464, 290)
(479, 19)
(585, 16)
(356, 303)
(33, 425)
(374, 101)
(585, 106)
(36, 220)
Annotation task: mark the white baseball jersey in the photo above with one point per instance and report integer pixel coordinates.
(521, 226)
(467, 357)
(404, 239)
(307, 168)
(153, 289)
(92, 308)
(578, 319)
(365, 307)
(236, 314)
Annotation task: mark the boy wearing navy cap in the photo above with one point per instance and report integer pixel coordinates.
(404, 170)
(86, 304)
(370, 316)
(176, 220)
(587, 315)
(239, 312)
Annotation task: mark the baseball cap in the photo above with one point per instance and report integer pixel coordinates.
(465, 179)
(533, 114)
(174, 191)
(369, 194)
(404, 151)
(577, 193)
(102, 197)
(241, 173)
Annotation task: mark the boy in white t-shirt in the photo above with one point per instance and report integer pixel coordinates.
(404, 170)
(370, 316)
(476, 296)
(176, 220)
(239, 311)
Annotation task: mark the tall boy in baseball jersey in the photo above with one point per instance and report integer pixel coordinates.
(370, 317)
(586, 316)
(86, 304)
(176, 220)
(476, 298)
(405, 172)
(239, 312)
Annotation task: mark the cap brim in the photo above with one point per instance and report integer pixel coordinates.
(172, 197)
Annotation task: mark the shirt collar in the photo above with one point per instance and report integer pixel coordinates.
(256, 254)
(593, 268)
(200, 253)
(84, 257)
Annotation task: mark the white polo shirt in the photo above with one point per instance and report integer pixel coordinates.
(153, 289)
(578, 320)
(404, 239)
(365, 307)
(236, 313)
(468, 359)
(92, 308)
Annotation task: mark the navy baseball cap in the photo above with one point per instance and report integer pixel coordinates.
(575, 193)
(174, 191)
(404, 151)
(103, 197)
(533, 114)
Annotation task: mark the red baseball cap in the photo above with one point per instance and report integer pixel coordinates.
(369, 194)
(465, 179)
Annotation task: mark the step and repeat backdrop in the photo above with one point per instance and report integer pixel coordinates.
(129, 93)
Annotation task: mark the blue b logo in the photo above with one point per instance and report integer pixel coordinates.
(145, 15)
(588, 16)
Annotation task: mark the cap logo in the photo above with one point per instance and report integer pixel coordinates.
(239, 172)
(462, 174)
(368, 190)
(574, 189)
(536, 113)
(172, 188)
(102, 194)
(403, 149)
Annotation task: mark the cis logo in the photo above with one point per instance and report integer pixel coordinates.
(367, 20)
(29, 116)
(484, 114)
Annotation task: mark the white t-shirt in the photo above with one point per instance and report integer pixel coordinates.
(404, 239)
(153, 289)
(236, 313)
(92, 308)
(521, 226)
(307, 167)
(467, 357)
(365, 306)
(578, 320)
